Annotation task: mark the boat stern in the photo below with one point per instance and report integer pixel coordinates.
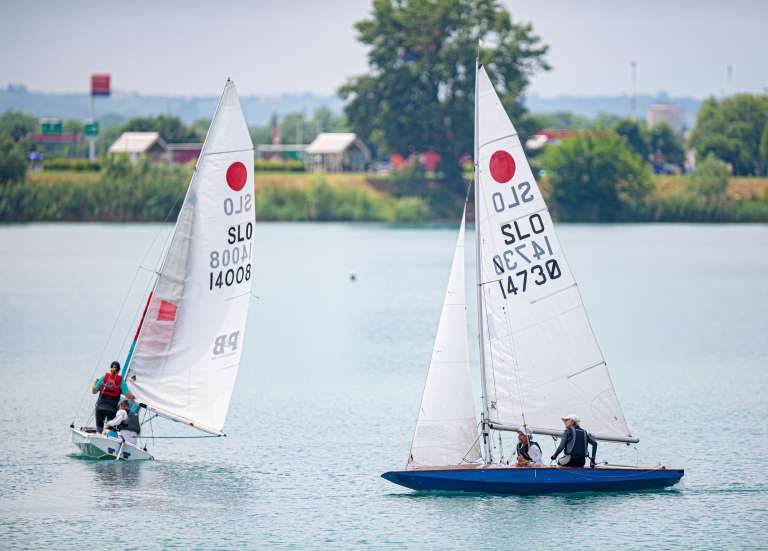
(97, 446)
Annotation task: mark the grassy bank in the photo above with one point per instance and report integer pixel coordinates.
(145, 192)
(673, 200)
(149, 193)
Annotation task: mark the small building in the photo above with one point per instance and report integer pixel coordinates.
(183, 153)
(555, 137)
(337, 152)
(140, 144)
(281, 152)
(666, 113)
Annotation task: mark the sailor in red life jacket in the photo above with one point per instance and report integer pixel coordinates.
(109, 387)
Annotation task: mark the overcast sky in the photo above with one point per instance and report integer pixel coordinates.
(189, 47)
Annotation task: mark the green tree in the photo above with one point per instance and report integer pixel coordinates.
(731, 130)
(710, 179)
(662, 140)
(18, 125)
(419, 92)
(13, 158)
(596, 178)
(764, 148)
(636, 136)
(171, 129)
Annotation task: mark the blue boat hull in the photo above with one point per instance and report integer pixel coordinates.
(534, 480)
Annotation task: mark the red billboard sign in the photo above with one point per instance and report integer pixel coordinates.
(100, 84)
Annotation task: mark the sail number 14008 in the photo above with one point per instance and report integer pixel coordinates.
(230, 266)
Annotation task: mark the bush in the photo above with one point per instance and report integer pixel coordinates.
(78, 165)
(13, 159)
(148, 192)
(123, 193)
(710, 179)
(411, 210)
(278, 166)
(596, 178)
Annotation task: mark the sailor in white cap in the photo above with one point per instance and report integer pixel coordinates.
(574, 442)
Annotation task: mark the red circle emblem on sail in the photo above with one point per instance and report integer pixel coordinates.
(502, 166)
(237, 175)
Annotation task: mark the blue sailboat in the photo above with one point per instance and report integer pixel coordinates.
(539, 357)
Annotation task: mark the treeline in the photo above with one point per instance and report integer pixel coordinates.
(147, 192)
(602, 179)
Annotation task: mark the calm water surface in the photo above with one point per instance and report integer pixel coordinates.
(330, 385)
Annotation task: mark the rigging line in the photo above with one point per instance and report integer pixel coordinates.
(183, 437)
(474, 443)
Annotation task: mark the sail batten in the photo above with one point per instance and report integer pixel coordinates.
(188, 349)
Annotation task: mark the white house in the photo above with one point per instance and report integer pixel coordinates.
(140, 144)
(337, 152)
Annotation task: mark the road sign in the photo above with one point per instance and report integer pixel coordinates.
(51, 126)
(100, 85)
(91, 128)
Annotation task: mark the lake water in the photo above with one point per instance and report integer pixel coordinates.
(330, 385)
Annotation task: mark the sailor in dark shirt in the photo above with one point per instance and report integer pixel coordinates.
(574, 442)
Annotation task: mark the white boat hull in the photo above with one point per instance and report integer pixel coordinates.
(99, 446)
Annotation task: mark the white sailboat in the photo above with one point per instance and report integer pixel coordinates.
(539, 356)
(184, 358)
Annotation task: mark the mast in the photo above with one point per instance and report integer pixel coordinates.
(480, 331)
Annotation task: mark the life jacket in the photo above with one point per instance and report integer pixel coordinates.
(110, 386)
(523, 449)
(131, 423)
(577, 443)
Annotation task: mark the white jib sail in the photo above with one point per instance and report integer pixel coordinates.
(188, 350)
(446, 430)
(542, 358)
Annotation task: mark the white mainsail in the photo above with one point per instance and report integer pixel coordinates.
(542, 360)
(189, 345)
(446, 430)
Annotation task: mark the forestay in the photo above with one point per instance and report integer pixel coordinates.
(188, 349)
(542, 360)
(446, 430)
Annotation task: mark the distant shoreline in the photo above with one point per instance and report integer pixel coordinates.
(82, 196)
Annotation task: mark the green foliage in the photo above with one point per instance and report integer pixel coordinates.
(710, 179)
(153, 192)
(636, 136)
(560, 120)
(278, 166)
(408, 180)
(171, 129)
(78, 165)
(595, 178)
(689, 207)
(732, 130)
(123, 193)
(297, 128)
(662, 140)
(764, 148)
(411, 210)
(419, 92)
(13, 158)
(322, 201)
(17, 125)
